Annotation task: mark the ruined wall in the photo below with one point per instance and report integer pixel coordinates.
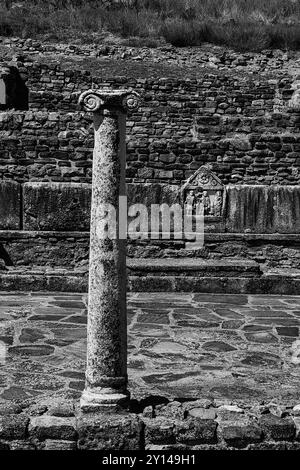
(239, 123)
(244, 125)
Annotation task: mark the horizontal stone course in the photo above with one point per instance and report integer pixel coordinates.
(186, 424)
(249, 133)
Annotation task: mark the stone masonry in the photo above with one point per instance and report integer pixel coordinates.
(237, 113)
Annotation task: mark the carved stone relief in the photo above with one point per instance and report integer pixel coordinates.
(203, 193)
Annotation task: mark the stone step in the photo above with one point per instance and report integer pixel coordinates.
(192, 267)
(163, 275)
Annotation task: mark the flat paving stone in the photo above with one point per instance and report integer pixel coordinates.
(219, 346)
(287, 331)
(221, 298)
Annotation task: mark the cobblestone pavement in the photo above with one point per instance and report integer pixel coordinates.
(235, 347)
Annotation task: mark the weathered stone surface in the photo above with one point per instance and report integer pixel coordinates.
(99, 431)
(13, 426)
(160, 430)
(195, 431)
(32, 350)
(52, 444)
(61, 409)
(202, 413)
(152, 193)
(56, 206)
(229, 409)
(239, 435)
(263, 209)
(279, 429)
(52, 427)
(173, 409)
(21, 445)
(10, 205)
(9, 409)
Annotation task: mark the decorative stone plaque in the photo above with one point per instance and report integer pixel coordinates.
(205, 189)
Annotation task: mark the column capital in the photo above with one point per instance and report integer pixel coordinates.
(97, 100)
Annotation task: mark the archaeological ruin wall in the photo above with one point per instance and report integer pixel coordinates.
(241, 128)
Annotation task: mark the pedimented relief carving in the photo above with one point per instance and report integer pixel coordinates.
(203, 192)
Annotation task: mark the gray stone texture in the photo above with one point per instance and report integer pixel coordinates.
(56, 206)
(10, 205)
(52, 427)
(109, 431)
(263, 209)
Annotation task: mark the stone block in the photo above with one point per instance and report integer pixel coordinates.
(171, 410)
(263, 209)
(61, 409)
(56, 206)
(193, 431)
(9, 409)
(239, 435)
(109, 431)
(160, 431)
(13, 426)
(10, 205)
(277, 429)
(52, 427)
(202, 413)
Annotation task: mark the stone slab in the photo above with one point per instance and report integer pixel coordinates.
(56, 206)
(263, 209)
(10, 205)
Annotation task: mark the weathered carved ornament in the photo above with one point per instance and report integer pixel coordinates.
(97, 100)
(204, 190)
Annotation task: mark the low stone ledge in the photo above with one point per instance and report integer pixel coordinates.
(210, 237)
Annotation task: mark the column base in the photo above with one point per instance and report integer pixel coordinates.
(93, 401)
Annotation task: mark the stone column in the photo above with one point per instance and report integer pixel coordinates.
(106, 372)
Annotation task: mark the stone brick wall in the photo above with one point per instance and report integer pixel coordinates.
(239, 123)
(236, 113)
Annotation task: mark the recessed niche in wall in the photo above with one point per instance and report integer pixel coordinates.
(13, 90)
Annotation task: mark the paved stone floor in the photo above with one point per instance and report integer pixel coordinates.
(235, 347)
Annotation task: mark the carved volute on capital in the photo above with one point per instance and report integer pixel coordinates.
(97, 100)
